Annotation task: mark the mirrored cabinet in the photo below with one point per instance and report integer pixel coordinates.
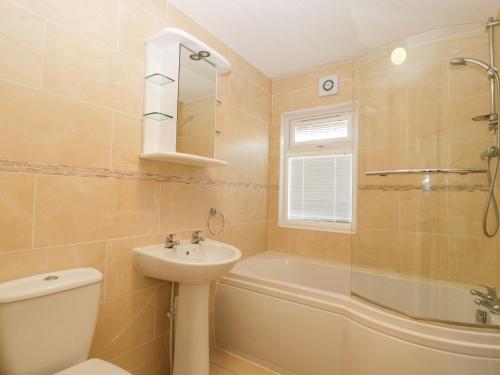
(180, 99)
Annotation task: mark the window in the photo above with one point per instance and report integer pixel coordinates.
(317, 179)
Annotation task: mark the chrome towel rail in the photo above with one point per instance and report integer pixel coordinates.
(425, 171)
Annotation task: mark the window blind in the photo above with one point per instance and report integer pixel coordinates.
(320, 188)
(321, 131)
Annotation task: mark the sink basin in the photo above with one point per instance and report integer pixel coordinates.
(187, 263)
(193, 266)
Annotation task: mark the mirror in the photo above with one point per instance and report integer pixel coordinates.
(196, 105)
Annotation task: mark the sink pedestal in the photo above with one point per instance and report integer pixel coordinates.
(193, 266)
(191, 330)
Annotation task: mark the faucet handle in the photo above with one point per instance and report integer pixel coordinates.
(197, 236)
(491, 292)
(490, 295)
(170, 242)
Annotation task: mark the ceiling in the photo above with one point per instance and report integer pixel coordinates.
(280, 37)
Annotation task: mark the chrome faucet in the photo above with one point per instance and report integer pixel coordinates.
(170, 243)
(488, 300)
(197, 237)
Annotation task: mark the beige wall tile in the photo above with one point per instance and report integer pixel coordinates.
(426, 83)
(245, 205)
(150, 358)
(127, 142)
(274, 170)
(275, 140)
(81, 68)
(234, 89)
(281, 103)
(259, 103)
(472, 260)
(426, 254)
(381, 249)
(378, 209)
(273, 205)
(319, 244)
(45, 128)
(379, 129)
(465, 213)
(136, 24)
(127, 146)
(124, 323)
(93, 18)
(423, 211)
(21, 43)
(278, 237)
(380, 91)
(18, 264)
(186, 207)
(250, 238)
(16, 210)
(122, 275)
(75, 256)
(77, 209)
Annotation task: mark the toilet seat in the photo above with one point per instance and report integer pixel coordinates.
(94, 366)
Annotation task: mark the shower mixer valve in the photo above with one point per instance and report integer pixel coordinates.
(489, 300)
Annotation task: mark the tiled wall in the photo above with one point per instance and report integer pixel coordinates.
(411, 116)
(74, 192)
(418, 115)
(290, 93)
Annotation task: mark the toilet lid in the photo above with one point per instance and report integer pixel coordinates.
(95, 367)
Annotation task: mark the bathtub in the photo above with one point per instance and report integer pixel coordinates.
(297, 316)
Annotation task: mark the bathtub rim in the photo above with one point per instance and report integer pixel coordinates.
(473, 341)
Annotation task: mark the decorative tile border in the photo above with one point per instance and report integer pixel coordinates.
(66, 170)
(466, 188)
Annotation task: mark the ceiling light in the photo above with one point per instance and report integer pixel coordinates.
(204, 54)
(195, 57)
(398, 55)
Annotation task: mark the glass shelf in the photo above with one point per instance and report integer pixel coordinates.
(158, 116)
(159, 79)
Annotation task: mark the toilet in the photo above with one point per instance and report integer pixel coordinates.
(47, 323)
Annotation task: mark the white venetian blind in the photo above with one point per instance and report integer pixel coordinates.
(320, 188)
(322, 131)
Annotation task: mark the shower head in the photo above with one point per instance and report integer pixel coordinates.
(465, 60)
(457, 61)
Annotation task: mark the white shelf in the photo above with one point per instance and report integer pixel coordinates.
(186, 159)
(173, 36)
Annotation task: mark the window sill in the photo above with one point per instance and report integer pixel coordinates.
(319, 226)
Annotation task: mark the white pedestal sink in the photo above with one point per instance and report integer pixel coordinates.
(193, 266)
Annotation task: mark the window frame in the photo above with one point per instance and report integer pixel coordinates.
(288, 149)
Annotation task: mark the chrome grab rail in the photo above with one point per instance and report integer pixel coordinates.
(426, 171)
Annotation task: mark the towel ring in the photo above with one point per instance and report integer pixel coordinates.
(212, 213)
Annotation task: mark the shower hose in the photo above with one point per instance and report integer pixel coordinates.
(491, 199)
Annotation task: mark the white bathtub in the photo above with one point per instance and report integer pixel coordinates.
(296, 316)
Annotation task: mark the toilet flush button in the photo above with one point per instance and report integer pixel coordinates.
(51, 278)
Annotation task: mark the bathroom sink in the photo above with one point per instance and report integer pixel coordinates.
(187, 263)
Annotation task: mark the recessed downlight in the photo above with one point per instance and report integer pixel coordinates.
(398, 55)
(204, 54)
(195, 57)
